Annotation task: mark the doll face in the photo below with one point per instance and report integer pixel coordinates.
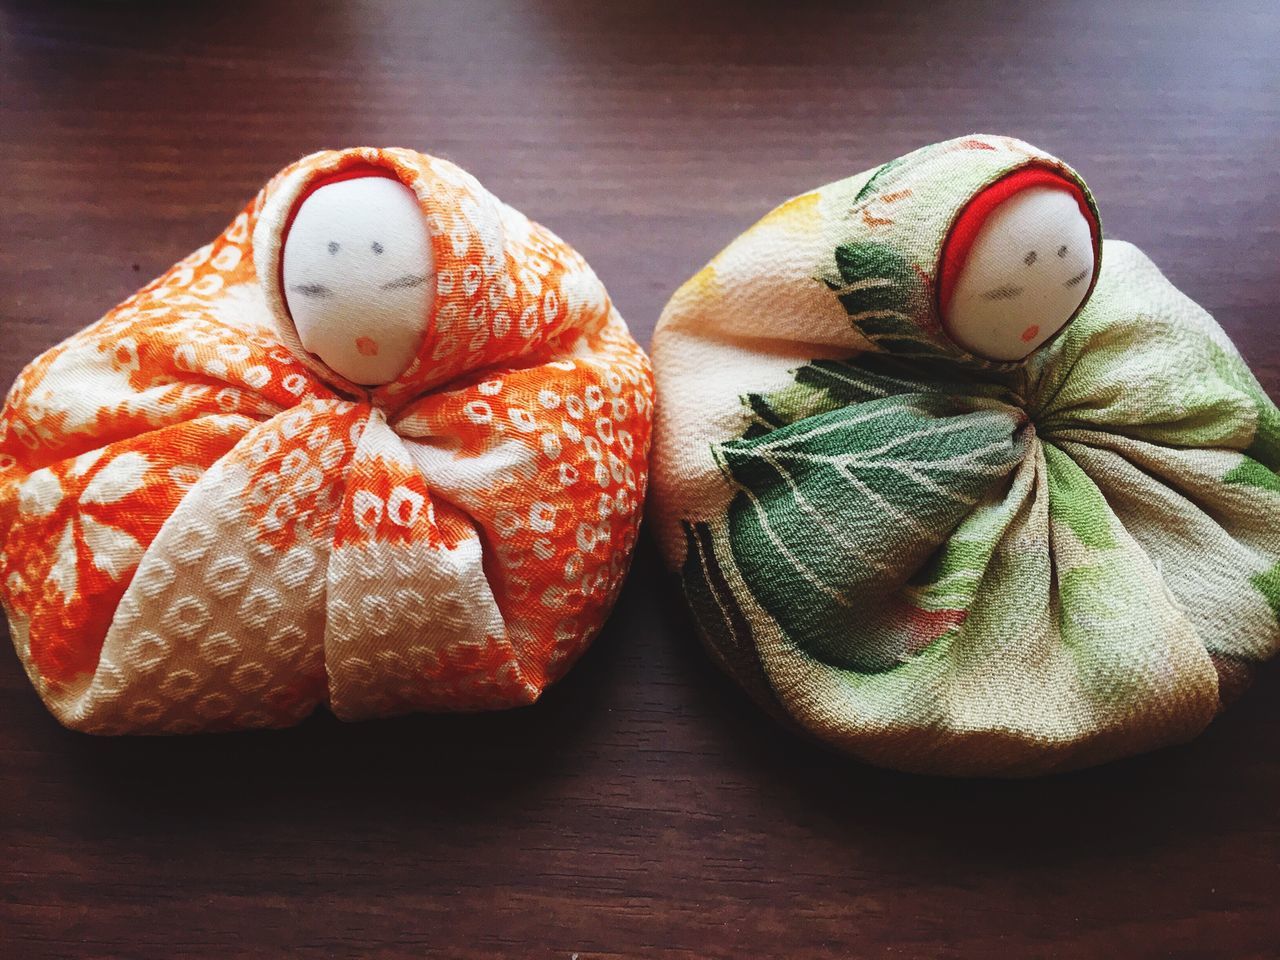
(1026, 275)
(359, 277)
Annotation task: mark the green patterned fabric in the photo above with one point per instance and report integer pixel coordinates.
(946, 564)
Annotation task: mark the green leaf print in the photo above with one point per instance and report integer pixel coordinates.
(719, 616)
(952, 576)
(1268, 584)
(1153, 376)
(825, 385)
(882, 292)
(1251, 473)
(874, 182)
(838, 510)
(1264, 448)
(712, 601)
(1075, 500)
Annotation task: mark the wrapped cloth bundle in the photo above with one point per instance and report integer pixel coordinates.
(381, 445)
(958, 487)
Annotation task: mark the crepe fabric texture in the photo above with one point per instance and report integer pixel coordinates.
(945, 564)
(204, 528)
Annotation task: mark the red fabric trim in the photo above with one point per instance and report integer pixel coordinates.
(959, 242)
(350, 173)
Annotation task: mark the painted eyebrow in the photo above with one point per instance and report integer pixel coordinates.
(312, 290)
(1077, 278)
(403, 282)
(1007, 292)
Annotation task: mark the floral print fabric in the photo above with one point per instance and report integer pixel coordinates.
(946, 564)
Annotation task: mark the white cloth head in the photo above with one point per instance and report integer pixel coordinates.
(1025, 276)
(359, 277)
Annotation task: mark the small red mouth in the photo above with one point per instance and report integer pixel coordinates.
(1030, 333)
(369, 347)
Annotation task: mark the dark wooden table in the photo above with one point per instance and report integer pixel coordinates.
(643, 807)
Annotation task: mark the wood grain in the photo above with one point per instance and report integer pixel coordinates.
(644, 807)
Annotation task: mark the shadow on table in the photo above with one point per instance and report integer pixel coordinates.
(646, 729)
(1134, 805)
(441, 767)
(446, 764)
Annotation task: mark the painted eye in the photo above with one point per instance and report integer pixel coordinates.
(377, 247)
(1008, 292)
(312, 290)
(405, 282)
(1030, 258)
(1078, 277)
(333, 246)
(1062, 250)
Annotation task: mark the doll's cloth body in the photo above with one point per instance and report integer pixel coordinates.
(203, 527)
(946, 564)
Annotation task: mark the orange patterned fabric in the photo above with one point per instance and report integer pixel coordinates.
(203, 527)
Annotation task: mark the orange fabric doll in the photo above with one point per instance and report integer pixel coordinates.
(205, 525)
